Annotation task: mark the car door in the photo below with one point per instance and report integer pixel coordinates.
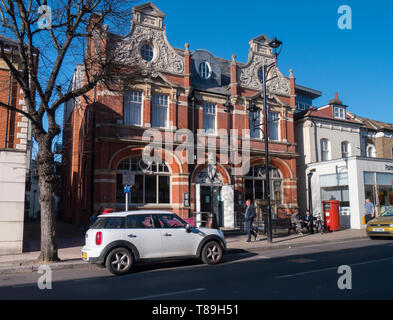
(176, 241)
(144, 235)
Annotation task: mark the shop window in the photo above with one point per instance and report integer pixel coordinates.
(255, 183)
(152, 186)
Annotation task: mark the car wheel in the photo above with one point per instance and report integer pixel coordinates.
(212, 253)
(119, 261)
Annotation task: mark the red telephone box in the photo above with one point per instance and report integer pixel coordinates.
(331, 214)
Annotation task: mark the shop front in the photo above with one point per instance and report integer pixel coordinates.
(351, 181)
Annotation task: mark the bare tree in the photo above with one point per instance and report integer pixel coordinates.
(50, 39)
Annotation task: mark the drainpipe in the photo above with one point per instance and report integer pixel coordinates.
(315, 140)
(309, 176)
(9, 100)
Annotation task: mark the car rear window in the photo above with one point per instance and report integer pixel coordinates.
(109, 223)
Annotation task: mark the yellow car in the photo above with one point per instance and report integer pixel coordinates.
(381, 226)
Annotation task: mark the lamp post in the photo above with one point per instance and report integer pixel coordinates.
(212, 173)
(275, 45)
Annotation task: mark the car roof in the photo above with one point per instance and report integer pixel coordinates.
(136, 212)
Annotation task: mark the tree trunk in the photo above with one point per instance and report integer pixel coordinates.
(47, 184)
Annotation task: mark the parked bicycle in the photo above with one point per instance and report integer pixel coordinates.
(319, 224)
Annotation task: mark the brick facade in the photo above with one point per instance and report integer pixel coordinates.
(97, 139)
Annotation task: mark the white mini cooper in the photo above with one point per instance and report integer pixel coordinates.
(118, 240)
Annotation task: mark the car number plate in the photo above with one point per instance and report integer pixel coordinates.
(378, 229)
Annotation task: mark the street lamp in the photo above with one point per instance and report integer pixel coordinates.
(275, 45)
(212, 173)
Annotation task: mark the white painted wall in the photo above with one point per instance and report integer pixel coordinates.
(13, 167)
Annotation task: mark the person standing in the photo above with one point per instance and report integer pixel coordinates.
(249, 217)
(369, 211)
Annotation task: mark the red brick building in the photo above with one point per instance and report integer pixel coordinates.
(170, 90)
(15, 153)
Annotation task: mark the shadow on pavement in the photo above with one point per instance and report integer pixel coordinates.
(291, 276)
(68, 236)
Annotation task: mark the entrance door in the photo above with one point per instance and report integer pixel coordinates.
(206, 196)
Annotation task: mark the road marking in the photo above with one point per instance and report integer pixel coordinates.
(168, 294)
(332, 268)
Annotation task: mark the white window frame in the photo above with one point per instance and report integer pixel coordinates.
(205, 106)
(125, 106)
(373, 151)
(347, 152)
(255, 133)
(152, 51)
(205, 70)
(278, 122)
(157, 96)
(325, 152)
(339, 113)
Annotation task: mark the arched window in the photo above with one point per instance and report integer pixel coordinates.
(371, 151)
(345, 149)
(152, 183)
(255, 183)
(325, 150)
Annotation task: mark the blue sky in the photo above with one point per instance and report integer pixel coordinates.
(358, 63)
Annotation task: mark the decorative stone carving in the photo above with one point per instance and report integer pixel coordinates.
(127, 51)
(248, 76)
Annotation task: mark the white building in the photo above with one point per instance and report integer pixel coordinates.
(333, 165)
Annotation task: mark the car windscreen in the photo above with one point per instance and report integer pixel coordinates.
(109, 223)
(387, 213)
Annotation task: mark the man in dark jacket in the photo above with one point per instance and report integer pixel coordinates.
(249, 219)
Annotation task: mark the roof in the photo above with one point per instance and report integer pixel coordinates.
(11, 43)
(376, 125)
(326, 113)
(136, 212)
(308, 92)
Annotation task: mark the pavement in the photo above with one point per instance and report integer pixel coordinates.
(71, 240)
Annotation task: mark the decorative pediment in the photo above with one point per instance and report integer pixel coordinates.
(148, 14)
(248, 76)
(262, 54)
(129, 50)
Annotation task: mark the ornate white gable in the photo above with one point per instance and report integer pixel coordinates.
(147, 28)
(260, 54)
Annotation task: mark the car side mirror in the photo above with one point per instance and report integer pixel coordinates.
(188, 228)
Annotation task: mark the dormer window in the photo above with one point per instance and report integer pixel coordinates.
(204, 70)
(339, 113)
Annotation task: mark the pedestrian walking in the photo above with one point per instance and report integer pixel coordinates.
(249, 217)
(369, 211)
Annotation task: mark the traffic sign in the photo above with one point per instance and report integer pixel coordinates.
(128, 179)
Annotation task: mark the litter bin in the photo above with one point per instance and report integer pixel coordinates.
(212, 221)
